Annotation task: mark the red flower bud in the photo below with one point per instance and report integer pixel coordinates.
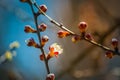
(29, 29)
(62, 34)
(42, 27)
(44, 40)
(75, 38)
(114, 42)
(31, 42)
(109, 54)
(82, 26)
(50, 77)
(89, 36)
(42, 57)
(43, 8)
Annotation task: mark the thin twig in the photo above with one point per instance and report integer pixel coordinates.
(53, 21)
(72, 33)
(83, 54)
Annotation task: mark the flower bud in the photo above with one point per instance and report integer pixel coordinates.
(89, 36)
(109, 54)
(50, 76)
(114, 42)
(31, 42)
(82, 26)
(62, 34)
(29, 29)
(42, 57)
(75, 38)
(44, 39)
(42, 27)
(43, 8)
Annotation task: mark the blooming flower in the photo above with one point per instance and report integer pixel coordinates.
(54, 50)
(50, 76)
(62, 34)
(14, 44)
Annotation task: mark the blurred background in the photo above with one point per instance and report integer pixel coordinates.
(79, 61)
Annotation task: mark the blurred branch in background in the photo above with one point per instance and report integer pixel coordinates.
(85, 53)
(7, 57)
(114, 25)
(10, 53)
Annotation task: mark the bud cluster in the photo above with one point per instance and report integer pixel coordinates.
(75, 37)
(88, 37)
(54, 49)
(114, 43)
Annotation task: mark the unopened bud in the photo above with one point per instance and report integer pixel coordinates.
(82, 26)
(115, 42)
(43, 8)
(42, 27)
(75, 38)
(50, 76)
(62, 34)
